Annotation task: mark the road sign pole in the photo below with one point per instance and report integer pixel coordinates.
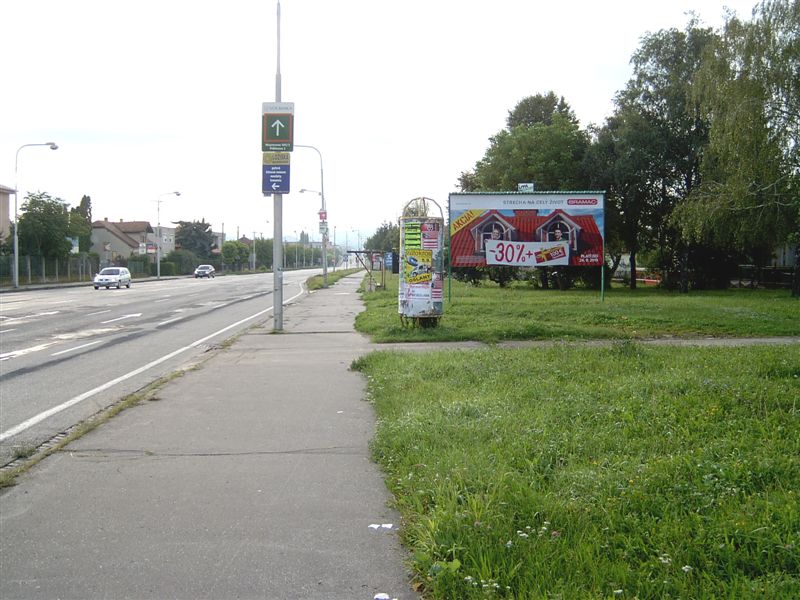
(277, 233)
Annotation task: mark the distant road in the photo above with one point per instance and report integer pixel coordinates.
(67, 353)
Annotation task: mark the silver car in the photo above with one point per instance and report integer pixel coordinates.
(112, 277)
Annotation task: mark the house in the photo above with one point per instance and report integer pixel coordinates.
(5, 220)
(112, 241)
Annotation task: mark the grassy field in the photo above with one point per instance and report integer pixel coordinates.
(576, 472)
(626, 471)
(491, 314)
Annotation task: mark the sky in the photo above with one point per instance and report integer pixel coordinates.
(399, 97)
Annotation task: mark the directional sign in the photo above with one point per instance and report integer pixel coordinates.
(277, 126)
(275, 173)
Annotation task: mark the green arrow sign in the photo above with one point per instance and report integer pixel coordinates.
(277, 132)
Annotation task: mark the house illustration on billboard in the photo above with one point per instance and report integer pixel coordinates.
(580, 232)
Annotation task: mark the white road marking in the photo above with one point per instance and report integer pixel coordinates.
(169, 321)
(16, 353)
(35, 420)
(98, 313)
(76, 348)
(121, 318)
(6, 331)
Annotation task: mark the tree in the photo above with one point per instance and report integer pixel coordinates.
(235, 253)
(539, 109)
(264, 252)
(80, 221)
(672, 130)
(385, 239)
(44, 226)
(750, 90)
(550, 155)
(196, 237)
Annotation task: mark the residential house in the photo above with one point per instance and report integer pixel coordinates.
(5, 219)
(113, 241)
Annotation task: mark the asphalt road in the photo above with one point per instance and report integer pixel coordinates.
(67, 353)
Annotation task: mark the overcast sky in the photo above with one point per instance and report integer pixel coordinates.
(147, 97)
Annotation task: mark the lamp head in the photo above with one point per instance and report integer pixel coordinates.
(53, 145)
(177, 193)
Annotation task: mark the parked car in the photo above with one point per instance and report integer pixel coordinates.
(204, 271)
(112, 276)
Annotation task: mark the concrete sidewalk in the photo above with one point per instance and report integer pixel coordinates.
(249, 478)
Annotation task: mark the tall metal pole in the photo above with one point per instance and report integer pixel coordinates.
(158, 242)
(277, 234)
(324, 235)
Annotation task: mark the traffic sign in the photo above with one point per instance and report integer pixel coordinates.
(275, 173)
(277, 126)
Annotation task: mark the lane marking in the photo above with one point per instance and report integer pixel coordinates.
(121, 318)
(75, 348)
(99, 313)
(170, 321)
(6, 331)
(35, 420)
(24, 351)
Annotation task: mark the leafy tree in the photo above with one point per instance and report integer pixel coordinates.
(235, 253)
(264, 252)
(44, 226)
(621, 161)
(551, 155)
(184, 261)
(196, 237)
(539, 109)
(672, 130)
(80, 222)
(750, 89)
(385, 239)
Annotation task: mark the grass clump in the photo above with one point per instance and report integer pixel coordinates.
(316, 282)
(492, 314)
(573, 472)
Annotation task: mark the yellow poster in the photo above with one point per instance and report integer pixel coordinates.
(464, 219)
(418, 266)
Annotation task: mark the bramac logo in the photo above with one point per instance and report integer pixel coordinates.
(582, 202)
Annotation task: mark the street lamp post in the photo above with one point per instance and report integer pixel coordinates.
(324, 210)
(53, 146)
(158, 241)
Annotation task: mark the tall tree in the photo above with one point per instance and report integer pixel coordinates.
(196, 237)
(621, 161)
(539, 109)
(44, 226)
(80, 223)
(660, 93)
(750, 89)
(385, 239)
(551, 155)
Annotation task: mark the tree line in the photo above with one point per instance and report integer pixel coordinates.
(699, 159)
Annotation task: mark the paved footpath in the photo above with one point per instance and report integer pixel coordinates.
(249, 477)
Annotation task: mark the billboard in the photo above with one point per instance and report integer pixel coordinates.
(527, 229)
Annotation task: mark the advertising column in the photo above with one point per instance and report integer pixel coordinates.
(420, 294)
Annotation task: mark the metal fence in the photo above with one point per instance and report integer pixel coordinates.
(39, 269)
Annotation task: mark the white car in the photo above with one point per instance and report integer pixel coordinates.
(112, 277)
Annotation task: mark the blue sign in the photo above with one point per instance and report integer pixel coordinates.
(275, 179)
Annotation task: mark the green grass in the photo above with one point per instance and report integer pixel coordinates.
(490, 314)
(315, 283)
(572, 472)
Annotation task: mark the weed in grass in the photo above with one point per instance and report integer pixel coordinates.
(578, 472)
